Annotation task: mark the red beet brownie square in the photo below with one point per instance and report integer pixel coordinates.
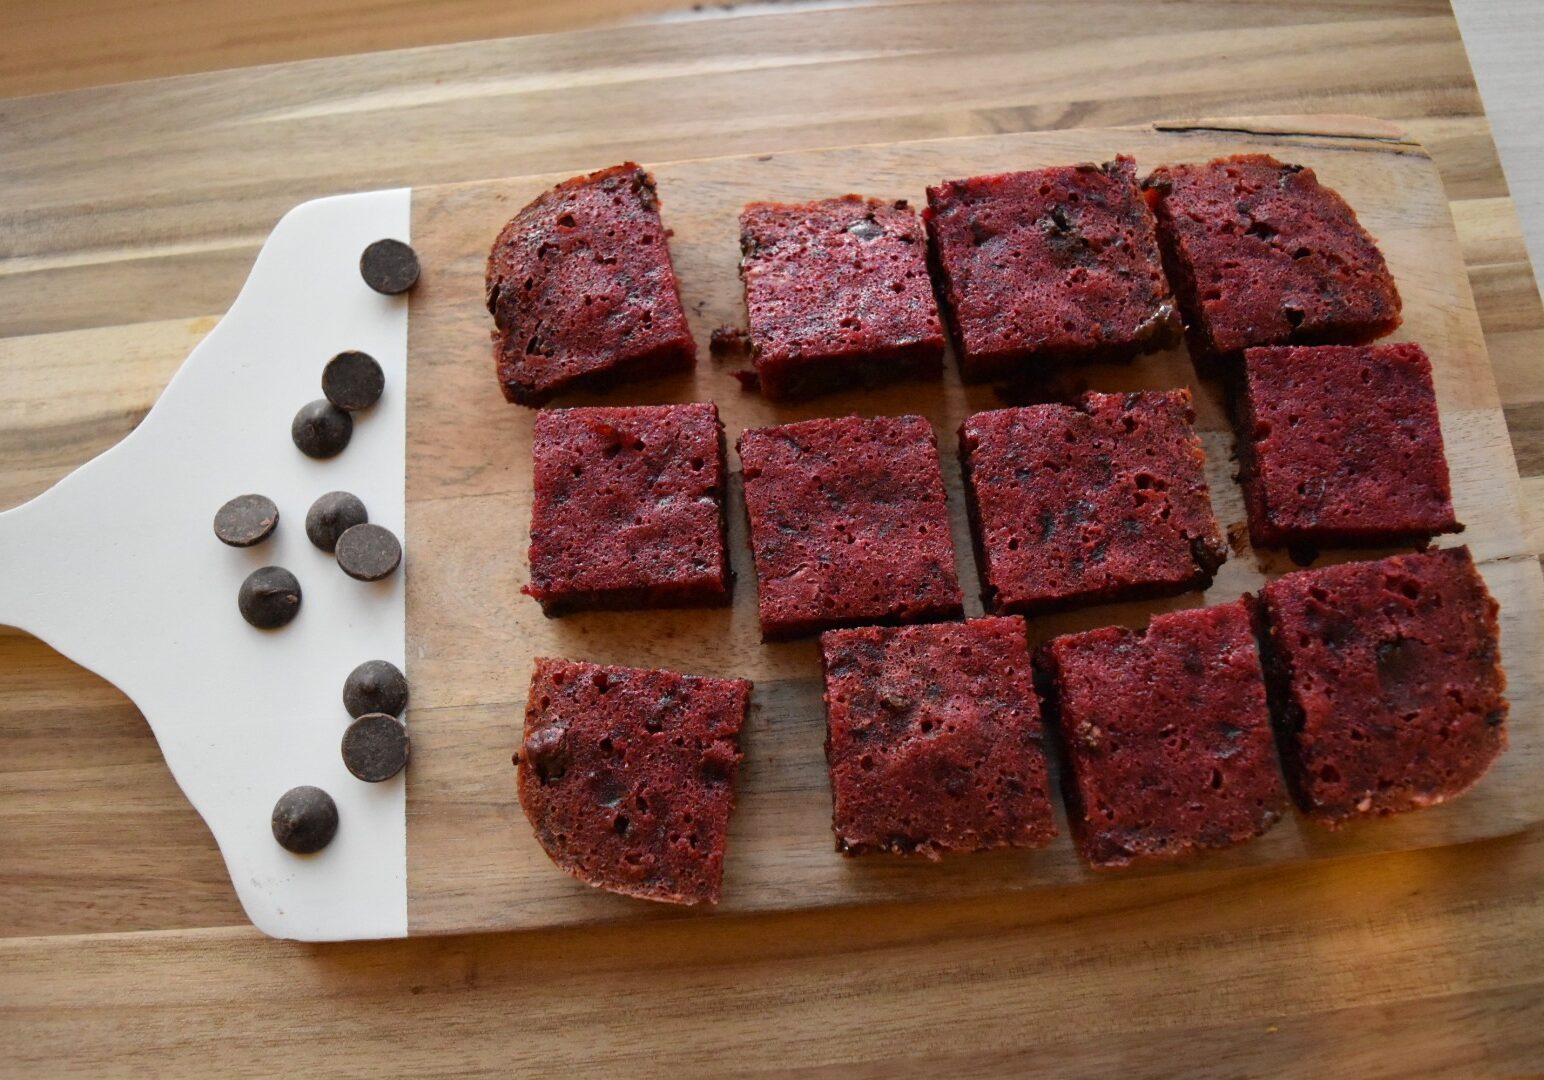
(849, 524)
(627, 775)
(1386, 682)
(1260, 253)
(1049, 266)
(1165, 735)
(582, 291)
(1099, 501)
(838, 294)
(933, 739)
(1340, 444)
(628, 509)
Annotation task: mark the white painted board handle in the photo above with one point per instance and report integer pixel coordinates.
(118, 568)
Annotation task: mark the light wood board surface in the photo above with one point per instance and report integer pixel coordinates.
(130, 216)
(473, 862)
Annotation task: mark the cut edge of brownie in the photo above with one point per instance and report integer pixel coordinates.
(663, 360)
(876, 368)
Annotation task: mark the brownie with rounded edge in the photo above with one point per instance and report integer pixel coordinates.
(1260, 253)
(848, 524)
(582, 291)
(1049, 266)
(627, 775)
(1340, 444)
(838, 294)
(1099, 501)
(1165, 735)
(1386, 682)
(628, 509)
(933, 739)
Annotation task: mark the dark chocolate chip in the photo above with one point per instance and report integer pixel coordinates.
(305, 819)
(547, 753)
(375, 747)
(389, 266)
(353, 381)
(269, 598)
(321, 429)
(331, 516)
(1302, 554)
(368, 552)
(376, 686)
(246, 520)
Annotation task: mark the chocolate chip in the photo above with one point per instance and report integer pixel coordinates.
(368, 552)
(269, 598)
(305, 819)
(331, 516)
(547, 753)
(1302, 554)
(321, 429)
(353, 381)
(246, 520)
(389, 266)
(375, 747)
(376, 686)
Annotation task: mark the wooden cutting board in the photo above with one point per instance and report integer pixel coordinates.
(473, 863)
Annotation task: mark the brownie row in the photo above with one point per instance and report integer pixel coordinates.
(1036, 268)
(1098, 501)
(1380, 685)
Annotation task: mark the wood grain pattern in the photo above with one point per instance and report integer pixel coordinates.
(473, 863)
(130, 215)
(110, 42)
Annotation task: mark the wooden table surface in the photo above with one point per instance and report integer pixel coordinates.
(128, 217)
